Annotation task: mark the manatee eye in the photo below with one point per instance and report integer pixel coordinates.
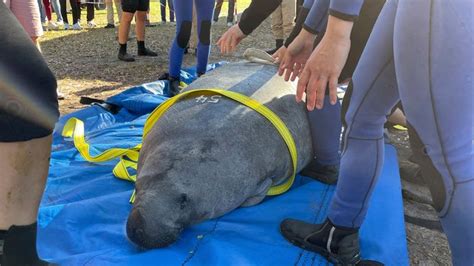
(183, 201)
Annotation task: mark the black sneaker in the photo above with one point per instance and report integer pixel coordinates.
(126, 57)
(146, 52)
(338, 245)
(173, 86)
(109, 26)
(327, 174)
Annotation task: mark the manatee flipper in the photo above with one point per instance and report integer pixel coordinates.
(260, 194)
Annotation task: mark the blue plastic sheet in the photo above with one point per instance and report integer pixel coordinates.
(84, 209)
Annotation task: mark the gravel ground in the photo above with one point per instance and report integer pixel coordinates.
(85, 63)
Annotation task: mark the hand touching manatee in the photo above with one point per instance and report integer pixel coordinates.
(230, 39)
(325, 65)
(296, 55)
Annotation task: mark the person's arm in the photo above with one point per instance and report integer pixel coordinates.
(251, 18)
(345, 10)
(318, 15)
(256, 13)
(300, 19)
(325, 64)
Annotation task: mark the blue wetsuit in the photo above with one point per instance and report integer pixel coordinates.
(420, 52)
(326, 123)
(317, 16)
(184, 18)
(326, 138)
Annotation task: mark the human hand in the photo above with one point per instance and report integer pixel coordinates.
(279, 54)
(230, 39)
(296, 55)
(325, 65)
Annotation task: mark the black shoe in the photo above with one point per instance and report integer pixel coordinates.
(272, 51)
(126, 57)
(109, 26)
(146, 52)
(18, 247)
(173, 86)
(327, 174)
(338, 245)
(278, 44)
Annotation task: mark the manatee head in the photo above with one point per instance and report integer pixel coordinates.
(177, 188)
(160, 212)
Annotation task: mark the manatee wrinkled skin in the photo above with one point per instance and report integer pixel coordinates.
(208, 155)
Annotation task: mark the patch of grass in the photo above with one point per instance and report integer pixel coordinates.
(85, 62)
(101, 18)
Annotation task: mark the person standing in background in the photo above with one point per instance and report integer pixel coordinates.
(163, 10)
(90, 13)
(75, 14)
(230, 11)
(110, 12)
(27, 12)
(47, 9)
(184, 18)
(131, 8)
(283, 21)
(42, 12)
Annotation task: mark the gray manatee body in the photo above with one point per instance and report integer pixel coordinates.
(208, 155)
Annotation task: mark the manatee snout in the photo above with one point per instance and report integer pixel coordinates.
(151, 233)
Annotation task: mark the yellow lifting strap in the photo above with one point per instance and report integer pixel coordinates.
(129, 157)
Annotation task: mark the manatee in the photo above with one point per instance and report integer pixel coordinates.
(209, 155)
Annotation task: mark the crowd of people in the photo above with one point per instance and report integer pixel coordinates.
(63, 7)
(413, 54)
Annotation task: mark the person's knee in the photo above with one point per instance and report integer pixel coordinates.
(363, 119)
(127, 17)
(141, 16)
(205, 32)
(362, 125)
(184, 34)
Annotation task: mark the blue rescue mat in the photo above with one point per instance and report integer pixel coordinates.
(84, 209)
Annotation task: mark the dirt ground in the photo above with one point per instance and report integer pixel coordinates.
(85, 63)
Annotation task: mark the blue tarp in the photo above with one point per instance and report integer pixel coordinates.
(84, 209)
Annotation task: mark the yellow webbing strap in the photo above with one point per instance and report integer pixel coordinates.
(128, 157)
(75, 128)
